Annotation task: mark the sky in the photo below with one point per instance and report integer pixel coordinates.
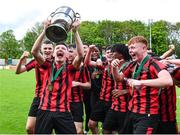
(21, 15)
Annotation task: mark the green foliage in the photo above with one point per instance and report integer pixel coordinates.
(9, 46)
(31, 36)
(29, 40)
(103, 33)
(174, 36)
(159, 37)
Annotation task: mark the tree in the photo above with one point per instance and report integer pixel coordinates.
(9, 46)
(159, 37)
(31, 36)
(174, 36)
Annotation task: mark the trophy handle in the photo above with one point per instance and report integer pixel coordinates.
(77, 16)
(50, 16)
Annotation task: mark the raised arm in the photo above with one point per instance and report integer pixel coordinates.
(79, 46)
(87, 60)
(168, 52)
(115, 70)
(37, 45)
(20, 68)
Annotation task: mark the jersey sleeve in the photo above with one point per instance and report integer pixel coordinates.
(29, 66)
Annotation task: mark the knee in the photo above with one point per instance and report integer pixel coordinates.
(91, 124)
(79, 130)
(30, 130)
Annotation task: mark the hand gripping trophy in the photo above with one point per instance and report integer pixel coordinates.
(61, 22)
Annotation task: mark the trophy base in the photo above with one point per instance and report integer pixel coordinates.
(56, 33)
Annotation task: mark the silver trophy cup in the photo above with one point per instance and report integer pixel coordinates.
(61, 21)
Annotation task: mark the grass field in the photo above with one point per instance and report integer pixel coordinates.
(16, 94)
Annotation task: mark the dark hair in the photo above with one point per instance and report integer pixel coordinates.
(62, 43)
(72, 46)
(121, 49)
(47, 42)
(108, 47)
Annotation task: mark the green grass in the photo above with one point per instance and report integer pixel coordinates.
(178, 107)
(16, 94)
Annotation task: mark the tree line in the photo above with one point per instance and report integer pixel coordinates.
(101, 33)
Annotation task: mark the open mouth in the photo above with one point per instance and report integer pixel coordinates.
(133, 55)
(47, 53)
(60, 54)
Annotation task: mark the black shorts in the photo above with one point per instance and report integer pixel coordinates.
(34, 107)
(136, 123)
(114, 121)
(61, 122)
(77, 111)
(94, 99)
(169, 127)
(100, 110)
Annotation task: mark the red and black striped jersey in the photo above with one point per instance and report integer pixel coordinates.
(120, 104)
(83, 76)
(39, 73)
(167, 102)
(145, 100)
(107, 85)
(57, 98)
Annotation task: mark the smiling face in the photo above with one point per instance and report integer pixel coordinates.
(60, 53)
(85, 47)
(137, 51)
(72, 53)
(47, 51)
(108, 55)
(95, 54)
(116, 55)
(137, 48)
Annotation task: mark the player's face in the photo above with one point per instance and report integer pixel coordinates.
(95, 54)
(108, 55)
(71, 55)
(137, 50)
(116, 55)
(60, 53)
(47, 51)
(85, 47)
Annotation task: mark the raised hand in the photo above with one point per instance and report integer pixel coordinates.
(75, 25)
(25, 55)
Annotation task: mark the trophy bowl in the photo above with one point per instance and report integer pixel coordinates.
(61, 22)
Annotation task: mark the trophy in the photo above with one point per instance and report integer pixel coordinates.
(61, 22)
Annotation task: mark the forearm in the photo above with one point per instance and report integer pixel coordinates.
(166, 54)
(20, 68)
(79, 45)
(159, 82)
(37, 47)
(80, 53)
(116, 75)
(87, 57)
(174, 61)
(85, 86)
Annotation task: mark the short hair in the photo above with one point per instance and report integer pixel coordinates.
(85, 44)
(108, 47)
(121, 49)
(61, 43)
(72, 46)
(47, 42)
(138, 39)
